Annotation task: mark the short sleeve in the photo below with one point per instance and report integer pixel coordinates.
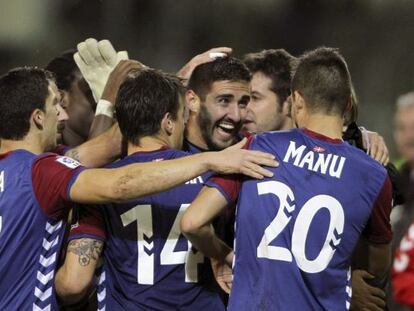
(378, 229)
(52, 177)
(229, 186)
(88, 223)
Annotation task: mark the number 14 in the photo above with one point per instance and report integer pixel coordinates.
(142, 214)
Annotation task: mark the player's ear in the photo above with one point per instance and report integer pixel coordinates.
(167, 124)
(38, 118)
(192, 101)
(287, 107)
(298, 102)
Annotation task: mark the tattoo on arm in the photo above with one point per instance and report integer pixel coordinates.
(86, 249)
(74, 154)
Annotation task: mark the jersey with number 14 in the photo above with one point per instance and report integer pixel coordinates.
(295, 232)
(148, 263)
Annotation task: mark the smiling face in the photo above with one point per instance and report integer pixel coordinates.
(222, 113)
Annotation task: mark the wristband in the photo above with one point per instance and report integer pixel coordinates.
(104, 107)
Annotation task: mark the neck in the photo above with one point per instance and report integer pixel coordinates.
(30, 142)
(330, 126)
(148, 143)
(287, 124)
(193, 134)
(71, 138)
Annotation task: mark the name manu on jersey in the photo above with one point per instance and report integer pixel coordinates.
(315, 160)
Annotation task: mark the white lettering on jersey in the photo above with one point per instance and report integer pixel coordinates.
(301, 227)
(319, 162)
(69, 162)
(197, 180)
(142, 214)
(2, 181)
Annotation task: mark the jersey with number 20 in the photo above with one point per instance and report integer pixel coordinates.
(295, 232)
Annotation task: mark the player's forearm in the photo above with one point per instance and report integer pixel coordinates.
(100, 124)
(379, 260)
(147, 178)
(136, 180)
(100, 150)
(206, 241)
(68, 289)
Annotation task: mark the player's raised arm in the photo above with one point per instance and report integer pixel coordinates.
(185, 72)
(136, 180)
(100, 150)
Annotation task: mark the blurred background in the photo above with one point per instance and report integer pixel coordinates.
(375, 36)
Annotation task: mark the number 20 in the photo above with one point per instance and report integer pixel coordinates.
(300, 228)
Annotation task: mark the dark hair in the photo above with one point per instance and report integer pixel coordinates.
(22, 90)
(278, 65)
(143, 100)
(64, 68)
(323, 79)
(225, 68)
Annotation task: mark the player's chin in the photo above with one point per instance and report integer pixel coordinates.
(59, 139)
(249, 127)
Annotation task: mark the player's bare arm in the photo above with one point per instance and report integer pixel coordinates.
(196, 227)
(196, 223)
(73, 279)
(100, 150)
(379, 262)
(104, 118)
(185, 72)
(136, 180)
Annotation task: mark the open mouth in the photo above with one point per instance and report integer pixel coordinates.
(227, 127)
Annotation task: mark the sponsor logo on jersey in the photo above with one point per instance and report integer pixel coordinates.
(324, 163)
(68, 162)
(74, 226)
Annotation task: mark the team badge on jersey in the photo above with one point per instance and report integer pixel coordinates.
(318, 149)
(69, 162)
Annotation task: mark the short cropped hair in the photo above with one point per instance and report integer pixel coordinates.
(278, 65)
(323, 80)
(221, 69)
(64, 69)
(22, 90)
(143, 100)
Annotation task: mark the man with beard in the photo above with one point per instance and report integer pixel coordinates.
(36, 188)
(217, 98)
(283, 259)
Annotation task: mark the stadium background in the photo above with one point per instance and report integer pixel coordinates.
(375, 36)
